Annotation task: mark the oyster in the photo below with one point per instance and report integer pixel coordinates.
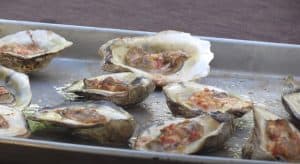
(102, 122)
(121, 88)
(166, 57)
(291, 102)
(272, 138)
(30, 50)
(15, 89)
(189, 99)
(12, 123)
(185, 136)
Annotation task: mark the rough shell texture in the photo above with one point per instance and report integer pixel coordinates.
(215, 134)
(139, 88)
(177, 95)
(19, 86)
(28, 51)
(114, 126)
(12, 123)
(291, 102)
(196, 65)
(256, 146)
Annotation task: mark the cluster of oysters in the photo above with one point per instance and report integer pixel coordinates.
(170, 61)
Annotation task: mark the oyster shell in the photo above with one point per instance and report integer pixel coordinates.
(185, 136)
(12, 123)
(190, 99)
(291, 101)
(30, 50)
(272, 138)
(103, 122)
(15, 89)
(169, 56)
(120, 88)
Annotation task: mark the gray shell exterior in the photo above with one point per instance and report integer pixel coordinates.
(195, 67)
(16, 123)
(291, 102)
(117, 128)
(218, 131)
(19, 86)
(138, 90)
(255, 147)
(175, 94)
(49, 42)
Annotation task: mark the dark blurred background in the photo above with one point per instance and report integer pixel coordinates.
(264, 20)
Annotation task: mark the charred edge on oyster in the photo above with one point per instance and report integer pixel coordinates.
(291, 102)
(191, 99)
(272, 138)
(185, 136)
(12, 123)
(165, 57)
(28, 51)
(120, 88)
(102, 122)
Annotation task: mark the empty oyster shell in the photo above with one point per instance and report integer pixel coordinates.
(190, 99)
(15, 89)
(12, 123)
(185, 136)
(272, 138)
(121, 88)
(291, 102)
(169, 56)
(103, 121)
(28, 51)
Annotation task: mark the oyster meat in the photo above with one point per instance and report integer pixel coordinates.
(15, 89)
(103, 122)
(190, 99)
(169, 56)
(30, 50)
(12, 123)
(120, 88)
(291, 102)
(185, 136)
(272, 138)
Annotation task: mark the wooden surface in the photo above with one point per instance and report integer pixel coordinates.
(264, 20)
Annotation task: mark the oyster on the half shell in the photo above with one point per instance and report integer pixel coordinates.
(185, 136)
(272, 138)
(120, 88)
(14, 89)
(12, 123)
(169, 56)
(103, 121)
(30, 50)
(190, 99)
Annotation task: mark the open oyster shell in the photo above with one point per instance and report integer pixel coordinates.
(103, 122)
(30, 50)
(15, 89)
(185, 136)
(120, 88)
(291, 102)
(169, 56)
(12, 123)
(190, 99)
(272, 138)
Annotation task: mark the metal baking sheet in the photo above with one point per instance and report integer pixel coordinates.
(252, 69)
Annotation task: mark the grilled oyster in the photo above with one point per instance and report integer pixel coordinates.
(12, 122)
(121, 88)
(28, 51)
(185, 136)
(15, 90)
(103, 121)
(168, 56)
(189, 99)
(291, 102)
(272, 138)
